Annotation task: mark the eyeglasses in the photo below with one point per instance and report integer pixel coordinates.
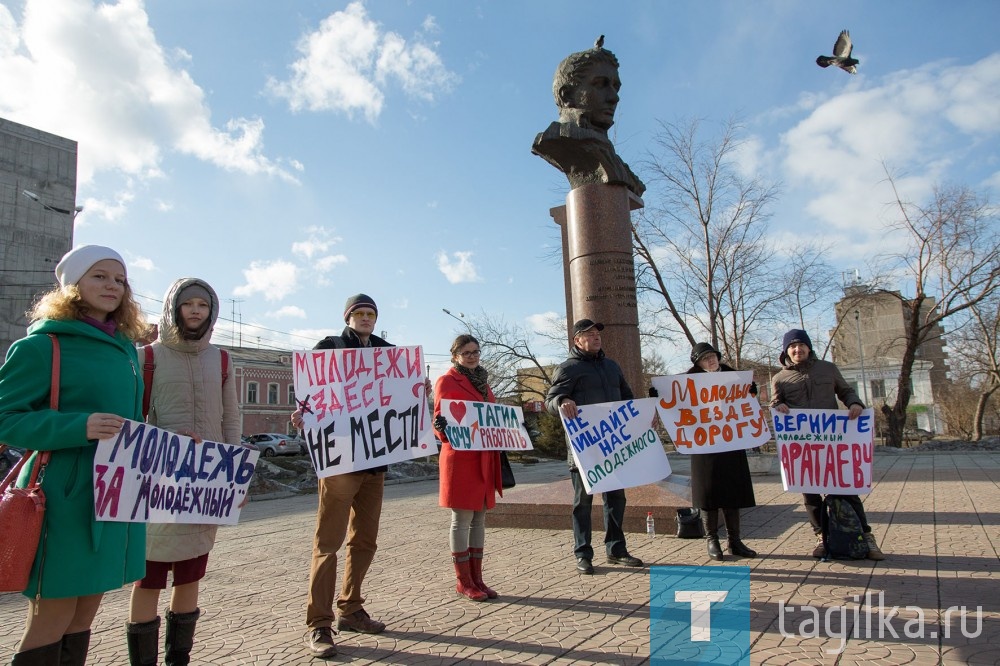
(470, 354)
(361, 314)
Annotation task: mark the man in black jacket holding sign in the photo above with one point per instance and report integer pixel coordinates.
(350, 506)
(588, 377)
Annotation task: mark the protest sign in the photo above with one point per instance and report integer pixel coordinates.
(711, 412)
(824, 451)
(484, 426)
(363, 408)
(614, 445)
(145, 474)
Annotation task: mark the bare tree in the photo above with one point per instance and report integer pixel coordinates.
(704, 260)
(516, 370)
(952, 260)
(810, 281)
(979, 340)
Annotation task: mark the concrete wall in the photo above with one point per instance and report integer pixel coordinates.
(33, 234)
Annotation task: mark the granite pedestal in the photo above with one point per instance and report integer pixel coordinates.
(550, 506)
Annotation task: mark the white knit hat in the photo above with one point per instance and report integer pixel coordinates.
(75, 263)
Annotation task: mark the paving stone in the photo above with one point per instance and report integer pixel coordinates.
(935, 515)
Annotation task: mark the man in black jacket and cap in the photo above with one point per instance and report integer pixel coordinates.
(350, 506)
(588, 377)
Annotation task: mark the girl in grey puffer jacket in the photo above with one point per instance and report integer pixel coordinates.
(190, 396)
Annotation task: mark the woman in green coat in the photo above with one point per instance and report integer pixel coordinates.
(95, 319)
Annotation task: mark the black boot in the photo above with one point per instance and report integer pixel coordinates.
(736, 547)
(712, 534)
(180, 637)
(46, 655)
(74, 649)
(143, 642)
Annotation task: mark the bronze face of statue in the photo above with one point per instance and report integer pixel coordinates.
(587, 92)
(586, 88)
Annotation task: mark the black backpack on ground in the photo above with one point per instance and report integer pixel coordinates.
(843, 535)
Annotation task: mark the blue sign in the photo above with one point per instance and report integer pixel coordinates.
(699, 615)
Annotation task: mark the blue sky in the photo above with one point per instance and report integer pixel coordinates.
(293, 153)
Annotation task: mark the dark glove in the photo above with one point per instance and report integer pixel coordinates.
(440, 423)
(653, 393)
(753, 389)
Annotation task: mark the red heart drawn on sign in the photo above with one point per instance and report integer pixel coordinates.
(458, 410)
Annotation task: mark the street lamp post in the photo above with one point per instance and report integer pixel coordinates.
(34, 197)
(462, 321)
(861, 356)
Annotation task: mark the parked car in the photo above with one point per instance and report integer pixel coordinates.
(8, 458)
(276, 444)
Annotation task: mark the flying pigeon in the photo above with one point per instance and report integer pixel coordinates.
(841, 55)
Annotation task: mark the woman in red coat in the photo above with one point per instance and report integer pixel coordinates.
(469, 479)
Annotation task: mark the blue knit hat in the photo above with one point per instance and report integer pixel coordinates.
(794, 335)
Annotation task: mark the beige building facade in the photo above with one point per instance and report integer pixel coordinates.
(868, 346)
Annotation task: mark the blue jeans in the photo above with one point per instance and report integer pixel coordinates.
(614, 516)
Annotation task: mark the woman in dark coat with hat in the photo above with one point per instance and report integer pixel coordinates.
(720, 480)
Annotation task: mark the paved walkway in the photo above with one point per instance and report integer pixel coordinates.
(937, 516)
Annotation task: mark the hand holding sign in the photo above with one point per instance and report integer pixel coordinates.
(148, 475)
(614, 448)
(825, 450)
(483, 426)
(711, 412)
(362, 408)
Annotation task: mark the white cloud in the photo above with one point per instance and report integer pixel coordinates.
(164, 206)
(319, 241)
(459, 268)
(274, 279)
(142, 263)
(348, 63)
(109, 210)
(130, 101)
(328, 263)
(288, 311)
(919, 123)
(549, 323)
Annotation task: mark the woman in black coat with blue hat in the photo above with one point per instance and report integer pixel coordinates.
(720, 480)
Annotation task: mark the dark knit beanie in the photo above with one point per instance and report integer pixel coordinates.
(794, 335)
(701, 349)
(194, 290)
(358, 301)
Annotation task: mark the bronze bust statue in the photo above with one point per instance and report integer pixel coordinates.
(585, 88)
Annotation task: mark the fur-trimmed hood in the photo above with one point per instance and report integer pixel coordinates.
(170, 331)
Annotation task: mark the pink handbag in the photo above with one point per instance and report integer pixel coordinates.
(23, 509)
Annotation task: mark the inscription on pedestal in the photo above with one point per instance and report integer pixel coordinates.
(612, 280)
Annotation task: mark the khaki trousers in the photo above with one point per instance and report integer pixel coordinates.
(350, 506)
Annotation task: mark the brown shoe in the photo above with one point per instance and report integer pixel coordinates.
(321, 643)
(819, 551)
(874, 552)
(360, 622)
